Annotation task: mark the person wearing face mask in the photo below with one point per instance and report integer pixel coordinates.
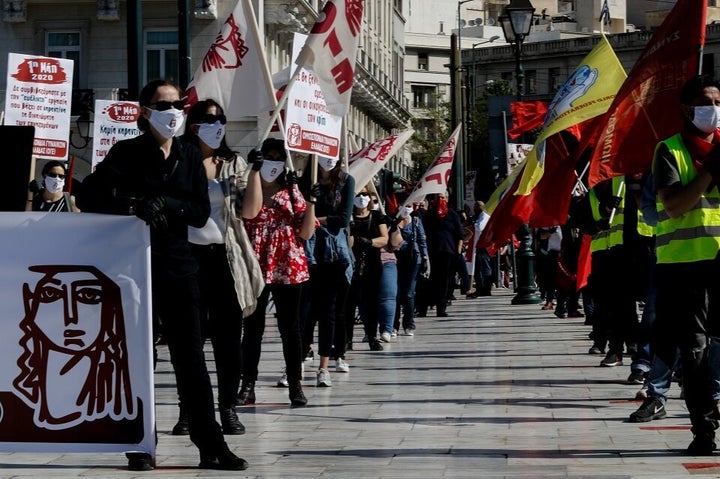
(229, 274)
(162, 181)
(277, 222)
(368, 234)
(686, 171)
(412, 258)
(331, 269)
(51, 195)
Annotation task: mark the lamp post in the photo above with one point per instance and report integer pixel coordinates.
(516, 23)
(458, 115)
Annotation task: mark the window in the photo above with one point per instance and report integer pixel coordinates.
(423, 96)
(422, 61)
(161, 55)
(555, 81)
(65, 44)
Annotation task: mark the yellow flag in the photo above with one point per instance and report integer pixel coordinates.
(587, 93)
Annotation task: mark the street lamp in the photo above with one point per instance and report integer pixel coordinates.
(458, 116)
(516, 23)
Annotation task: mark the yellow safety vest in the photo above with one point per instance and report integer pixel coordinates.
(614, 235)
(643, 228)
(694, 236)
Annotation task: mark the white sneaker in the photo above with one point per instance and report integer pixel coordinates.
(341, 366)
(283, 381)
(393, 335)
(409, 332)
(385, 337)
(323, 379)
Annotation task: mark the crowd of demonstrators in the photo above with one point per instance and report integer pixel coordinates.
(50, 195)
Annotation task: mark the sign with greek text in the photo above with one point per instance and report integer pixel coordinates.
(39, 91)
(114, 121)
(310, 127)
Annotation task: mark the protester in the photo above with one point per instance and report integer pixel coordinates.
(277, 219)
(162, 181)
(331, 270)
(483, 273)
(229, 271)
(50, 196)
(388, 289)
(686, 170)
(412, 259)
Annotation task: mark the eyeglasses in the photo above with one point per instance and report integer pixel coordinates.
(163, 105)
(211, 119)
(56, 175)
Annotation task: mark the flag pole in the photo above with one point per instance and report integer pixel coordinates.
(619, 193)
(280, 104)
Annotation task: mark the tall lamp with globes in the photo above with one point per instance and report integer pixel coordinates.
(516, 23)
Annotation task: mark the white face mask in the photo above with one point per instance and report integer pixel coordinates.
(211, 134)
(376, 207)
(326, 163)
(53, 185)
(406, 211)
(706, 118)
(167, 123)
(361, 201)
(270, 170)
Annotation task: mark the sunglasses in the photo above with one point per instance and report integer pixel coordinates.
(211, 119)
(56, 175)
(166, 105)
(362, 194)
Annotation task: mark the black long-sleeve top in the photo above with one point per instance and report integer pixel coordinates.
(136, 168)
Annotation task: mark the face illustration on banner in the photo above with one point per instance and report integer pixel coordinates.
(293, 135)
(73, 336)
(228, 50)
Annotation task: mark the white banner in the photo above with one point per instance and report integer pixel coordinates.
(516, 153)
(437, 177)
(114, 121)
(309, 127)
(76, 346)
(367, 162)
(39, 93)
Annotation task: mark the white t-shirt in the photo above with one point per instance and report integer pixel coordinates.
(214, 230)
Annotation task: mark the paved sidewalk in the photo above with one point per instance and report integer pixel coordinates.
(494, 390)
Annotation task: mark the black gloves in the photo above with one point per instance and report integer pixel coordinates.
(34, 187)
(291, 178)
(611, 203)
(315, 190)
(603, 224)
(392, 222)
(255, 160)
(361, 240)
(152, 211)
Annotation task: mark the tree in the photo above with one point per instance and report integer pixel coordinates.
(432, 129)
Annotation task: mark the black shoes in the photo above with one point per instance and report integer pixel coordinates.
(375, 344)
(222, 459)
(138, 461)
(297, 397)
(703, 444)
(652, 408)
(637, 376)
(247, 393)
(182, 428)
(231, 425)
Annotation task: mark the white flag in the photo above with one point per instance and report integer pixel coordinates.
(437, 177)
(330, 51)
(367, 162)
(233, 71)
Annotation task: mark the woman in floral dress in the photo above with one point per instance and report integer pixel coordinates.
(281, 221)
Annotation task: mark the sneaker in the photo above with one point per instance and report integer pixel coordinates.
(341, 366)
(385, 337)
(283, 381)
(323, 379)
(364, 339)
(641, 394)
(375, 345)
(612, 359)
(595, 349)
(702, 444)
(393, 335)
(560, 314)
(296, 395)
(652, 408)
(636, 377)
(410, 332)
(310, 355)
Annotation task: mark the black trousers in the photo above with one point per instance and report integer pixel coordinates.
(287, 306)
(223, 318)
(328, 295)
(177, 301)
(441, 266)
(688, 318)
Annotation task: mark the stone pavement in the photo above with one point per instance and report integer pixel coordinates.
(494, 390)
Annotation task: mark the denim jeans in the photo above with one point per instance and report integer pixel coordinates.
(387, 297)
(407, 280)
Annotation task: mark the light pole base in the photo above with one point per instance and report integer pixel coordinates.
(526, 296)
(526, 291)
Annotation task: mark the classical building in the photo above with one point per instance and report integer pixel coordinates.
(94, 34)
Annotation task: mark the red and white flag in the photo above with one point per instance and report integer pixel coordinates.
(367, 162)
(234, 72)
(330, 51)
(437, 177)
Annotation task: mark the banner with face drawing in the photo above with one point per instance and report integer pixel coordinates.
(75, 342)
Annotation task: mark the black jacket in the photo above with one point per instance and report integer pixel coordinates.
(136, 168)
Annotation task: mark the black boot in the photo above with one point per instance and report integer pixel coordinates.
(182, 428)
(247, 393)
(221, 458)
(230, 423)
(297, 397)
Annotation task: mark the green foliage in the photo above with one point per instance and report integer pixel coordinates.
(432, 128)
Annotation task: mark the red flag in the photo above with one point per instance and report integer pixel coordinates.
(645, 109)
(584, 262)
(330, 51)
(526, 116)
